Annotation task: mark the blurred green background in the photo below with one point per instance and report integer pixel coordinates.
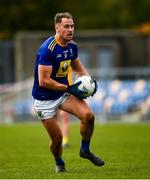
(16, 15)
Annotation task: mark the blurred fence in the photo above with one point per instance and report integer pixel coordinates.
(109, 50)
(117, 60)
(7, 61)
(104, 50)
(127, 100)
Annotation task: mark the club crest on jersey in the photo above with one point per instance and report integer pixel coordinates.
(65, 54)
(71, 52)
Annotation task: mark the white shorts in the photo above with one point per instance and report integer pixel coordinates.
(48, 108)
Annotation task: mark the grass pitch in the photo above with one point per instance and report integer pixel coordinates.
(125, 148)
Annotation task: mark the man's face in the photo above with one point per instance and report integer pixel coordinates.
(65, 29)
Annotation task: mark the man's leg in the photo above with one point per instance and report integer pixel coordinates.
(65, 124)
(55, 135)
(80, 109)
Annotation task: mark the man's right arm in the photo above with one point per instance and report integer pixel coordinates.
(45, 80)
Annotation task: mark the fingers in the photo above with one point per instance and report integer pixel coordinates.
(96, 86)
(78, 83)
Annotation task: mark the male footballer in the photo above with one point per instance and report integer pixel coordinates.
(51, 90)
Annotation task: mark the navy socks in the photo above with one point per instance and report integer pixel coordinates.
(59, 161)
(85, 146)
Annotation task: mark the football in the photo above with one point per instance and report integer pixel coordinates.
(87, 84)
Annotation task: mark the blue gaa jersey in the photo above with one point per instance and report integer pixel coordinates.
(51, 53)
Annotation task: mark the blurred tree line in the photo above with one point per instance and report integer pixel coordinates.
(19, 15)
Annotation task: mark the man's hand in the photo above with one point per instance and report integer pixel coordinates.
(96, 85)
(73, 89)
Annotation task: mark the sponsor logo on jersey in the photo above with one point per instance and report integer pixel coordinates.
(63, 68)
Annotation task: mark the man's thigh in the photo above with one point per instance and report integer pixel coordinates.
(52, 127)
(75, 106)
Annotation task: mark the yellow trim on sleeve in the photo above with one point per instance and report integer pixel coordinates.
(52, 44)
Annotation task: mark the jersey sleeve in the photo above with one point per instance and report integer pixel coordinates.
(45, 57)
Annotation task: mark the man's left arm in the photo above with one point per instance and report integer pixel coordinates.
(78, 68)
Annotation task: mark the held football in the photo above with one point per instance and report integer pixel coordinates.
(87, 84)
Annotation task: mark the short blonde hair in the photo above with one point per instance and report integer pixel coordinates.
(58, 17)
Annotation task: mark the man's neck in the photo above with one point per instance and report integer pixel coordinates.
(60, 41)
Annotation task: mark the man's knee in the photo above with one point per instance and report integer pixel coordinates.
(88, 117)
